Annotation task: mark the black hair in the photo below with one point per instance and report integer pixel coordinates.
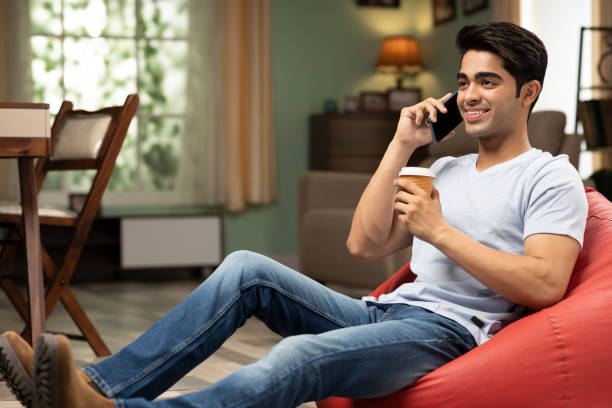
(522, 52)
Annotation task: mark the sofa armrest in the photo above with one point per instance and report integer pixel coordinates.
(324, 256)
(326, 203)
(328, 189)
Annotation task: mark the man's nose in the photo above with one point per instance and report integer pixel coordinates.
(471, 94)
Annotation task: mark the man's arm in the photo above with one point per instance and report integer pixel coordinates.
(536, 279)
(375, 230)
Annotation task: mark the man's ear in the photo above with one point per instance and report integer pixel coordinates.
(530, 91)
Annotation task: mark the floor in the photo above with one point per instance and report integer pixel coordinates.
(123, 310)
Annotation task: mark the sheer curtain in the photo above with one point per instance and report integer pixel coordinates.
(16, 78)
(229, 136)
(201, 170)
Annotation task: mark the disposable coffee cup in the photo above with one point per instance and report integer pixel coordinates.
(421, 176)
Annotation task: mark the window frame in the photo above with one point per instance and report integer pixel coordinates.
(138, 195)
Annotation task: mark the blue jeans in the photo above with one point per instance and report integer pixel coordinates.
(333, 345)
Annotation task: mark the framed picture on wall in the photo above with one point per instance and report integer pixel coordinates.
(444, 10)
(373, 102)
(379, 3)
(472, 6)
(402, 97)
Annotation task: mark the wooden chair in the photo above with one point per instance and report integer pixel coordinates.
(80, 140)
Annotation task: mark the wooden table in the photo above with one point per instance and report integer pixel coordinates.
(25, 135)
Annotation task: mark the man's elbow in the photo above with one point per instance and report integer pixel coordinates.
(548, 296)
(359, 251)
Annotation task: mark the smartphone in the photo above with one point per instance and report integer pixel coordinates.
(446, 122)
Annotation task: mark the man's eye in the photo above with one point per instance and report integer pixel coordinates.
(461, 84)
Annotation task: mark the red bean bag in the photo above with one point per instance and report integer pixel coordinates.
(560, 356)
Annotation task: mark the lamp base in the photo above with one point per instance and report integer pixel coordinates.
(400, 79)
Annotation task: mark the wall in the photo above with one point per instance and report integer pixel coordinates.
(1, 49)
(327, 49)
(559, 92)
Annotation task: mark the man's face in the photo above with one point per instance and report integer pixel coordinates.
(487, 96)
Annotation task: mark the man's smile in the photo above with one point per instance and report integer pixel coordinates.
(474, 114)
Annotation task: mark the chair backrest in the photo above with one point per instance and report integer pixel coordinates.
(86, 140)
(546, 130)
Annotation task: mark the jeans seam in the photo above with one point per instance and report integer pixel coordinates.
(99, 381)
(228, 305)
(301, 301)
(345, 351)
(176, 349)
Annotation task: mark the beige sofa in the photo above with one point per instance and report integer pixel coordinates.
(326, 201)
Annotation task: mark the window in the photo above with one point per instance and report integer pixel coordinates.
(94, 53)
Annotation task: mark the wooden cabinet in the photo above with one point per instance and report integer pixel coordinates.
(353, 142)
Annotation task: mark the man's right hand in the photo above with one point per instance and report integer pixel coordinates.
(412, 128)
(376, 231)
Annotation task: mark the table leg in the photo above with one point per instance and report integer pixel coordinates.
(31, 229)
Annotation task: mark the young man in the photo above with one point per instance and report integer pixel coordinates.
(500, 232)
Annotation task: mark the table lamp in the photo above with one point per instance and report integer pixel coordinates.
(399, 55)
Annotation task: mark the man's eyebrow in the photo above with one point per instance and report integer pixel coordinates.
(479, 75)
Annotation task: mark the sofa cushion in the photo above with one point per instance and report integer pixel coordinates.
(80, 137)
(328, 259)
(591, 273)
(546, 130)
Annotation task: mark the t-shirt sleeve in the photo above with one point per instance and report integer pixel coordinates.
(556, 203)
(440, 164)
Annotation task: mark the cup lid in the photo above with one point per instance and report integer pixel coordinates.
(417, 171)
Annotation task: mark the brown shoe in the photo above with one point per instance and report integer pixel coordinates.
(16, 367)
(57, 380)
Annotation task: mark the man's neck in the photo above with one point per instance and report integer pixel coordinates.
(494, 150)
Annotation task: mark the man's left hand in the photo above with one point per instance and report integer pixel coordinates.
(419, 212)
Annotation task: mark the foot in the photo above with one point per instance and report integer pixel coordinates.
(16, 367)
(58, 382)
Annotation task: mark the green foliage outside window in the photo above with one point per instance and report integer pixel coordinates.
(96, 52)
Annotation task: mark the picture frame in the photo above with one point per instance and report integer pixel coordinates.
(399, 98)
(444, 10)
(379, 3)
(472, 6)
(373, 101)
(351, 103)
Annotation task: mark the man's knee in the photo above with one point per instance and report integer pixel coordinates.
(246, 265)
(241, 256)
(297, 349)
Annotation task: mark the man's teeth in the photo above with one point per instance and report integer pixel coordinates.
(475, 112)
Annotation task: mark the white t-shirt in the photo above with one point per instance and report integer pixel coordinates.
(498, 207)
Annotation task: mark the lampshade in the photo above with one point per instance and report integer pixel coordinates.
(399, 54)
